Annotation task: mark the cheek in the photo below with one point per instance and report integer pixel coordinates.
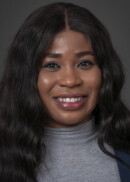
(94, 80)
(45, 83)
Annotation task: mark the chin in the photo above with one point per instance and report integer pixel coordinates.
(65, 124)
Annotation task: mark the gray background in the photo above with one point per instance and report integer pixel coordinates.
(114, 14)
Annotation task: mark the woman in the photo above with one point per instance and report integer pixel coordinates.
(61, 114)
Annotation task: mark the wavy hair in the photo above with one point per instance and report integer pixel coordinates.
(22, 114)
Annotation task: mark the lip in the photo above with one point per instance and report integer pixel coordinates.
(70, 95)
(70, 106)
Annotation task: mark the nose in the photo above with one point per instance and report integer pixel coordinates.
(70, 78)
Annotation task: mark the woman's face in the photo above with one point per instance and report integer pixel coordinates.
(69, 80)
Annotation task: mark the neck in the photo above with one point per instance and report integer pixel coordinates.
(83, 131)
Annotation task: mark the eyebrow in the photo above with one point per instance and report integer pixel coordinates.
(58, 55)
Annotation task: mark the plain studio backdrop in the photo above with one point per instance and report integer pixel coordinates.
(114, 14)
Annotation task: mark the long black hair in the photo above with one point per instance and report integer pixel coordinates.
(22, 115)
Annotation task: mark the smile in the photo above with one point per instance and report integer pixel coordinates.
(70, 103)
(70, 99)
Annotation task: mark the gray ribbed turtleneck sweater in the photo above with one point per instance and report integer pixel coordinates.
(73, 155)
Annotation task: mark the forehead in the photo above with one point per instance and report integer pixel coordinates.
(70, 40)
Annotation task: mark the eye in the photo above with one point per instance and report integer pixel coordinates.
(85, 63)
(51, 66)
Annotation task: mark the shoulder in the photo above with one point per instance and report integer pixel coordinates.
(123, 170)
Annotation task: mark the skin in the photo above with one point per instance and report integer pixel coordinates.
(68, 75)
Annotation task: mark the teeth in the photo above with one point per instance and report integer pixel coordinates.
(70, 99)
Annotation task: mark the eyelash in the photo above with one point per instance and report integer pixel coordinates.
(52, 63)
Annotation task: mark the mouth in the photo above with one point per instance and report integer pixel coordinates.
(70, 102)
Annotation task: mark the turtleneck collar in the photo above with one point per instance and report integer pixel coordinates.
(85, 130)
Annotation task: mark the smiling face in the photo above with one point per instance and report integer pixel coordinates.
(69, 80)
